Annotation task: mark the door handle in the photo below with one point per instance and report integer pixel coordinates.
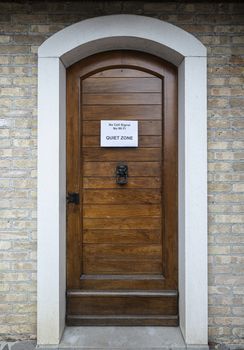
(73, 197)
(121, 174)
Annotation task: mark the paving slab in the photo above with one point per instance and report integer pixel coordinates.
(24, 345)
(4, 347)
(135, 338)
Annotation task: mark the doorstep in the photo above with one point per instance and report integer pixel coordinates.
(122, 338)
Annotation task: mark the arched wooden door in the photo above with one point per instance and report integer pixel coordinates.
(122, 238)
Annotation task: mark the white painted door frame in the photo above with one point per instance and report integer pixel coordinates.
(55, 55)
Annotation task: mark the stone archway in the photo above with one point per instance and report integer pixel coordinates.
(55, 55)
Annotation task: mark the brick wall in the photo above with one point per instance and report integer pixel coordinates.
(24, 25)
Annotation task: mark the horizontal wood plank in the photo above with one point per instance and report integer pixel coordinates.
(130, 305)
(141, 169)
(122, 251)
(151, 127)
(110, 182)
(131, 112)
(121, 236)
(122, 223)
(108, 266)
(123, 98)
(121, 85)
(128, 284)
(121, 196)
(121, 320)
(108, 211)
(114, 154)
(122, 72)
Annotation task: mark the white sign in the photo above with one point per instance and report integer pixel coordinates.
(119, 133)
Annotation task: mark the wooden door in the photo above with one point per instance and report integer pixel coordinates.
(122, 239)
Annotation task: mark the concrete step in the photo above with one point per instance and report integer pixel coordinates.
(120, 338)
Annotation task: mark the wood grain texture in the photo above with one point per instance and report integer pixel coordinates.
(125, 98)
(108, 211)
(123, 84)
(132, 112)
(120, 267)
(124, 195)
(150, 141)
(122, 251)
(130, 305)
(140, 169)
(122, 238)
(109, 182)
(124, 223)
(149, 127)
(121, 72)
(115, 154)
(122, 320)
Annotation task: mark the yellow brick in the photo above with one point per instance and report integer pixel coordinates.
(25, 81)
(24, 329)
(4, 224)
(12, 276)
(24, 266)
(41, 28)
(4, 265)
(25, 163)
(5, 102)
(238, 39)
(223, 91)
(13, 297)
(6, 329)
(215, 332)
(12, 49)
(229, 197)
(219, 187)
(20, 203)
(229, 321)
(24, 103)
(5, 163)
(25, 60)
(14, 213)
(216, 81)
(4, 39)
(24, 308)
(236, 80)
(219, 310)
(5, 153)
(26, 287)
(4, 60)
(29, 143)
(217, 249)
(219, 123)
(5, 245)
(218, 102)
(4, 132)
(13, 91)
(26, 183)
(238, 187)
(24, 245)
(11, 235)
(219, 166)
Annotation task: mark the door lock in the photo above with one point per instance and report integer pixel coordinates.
(73, 197)
(121, 174)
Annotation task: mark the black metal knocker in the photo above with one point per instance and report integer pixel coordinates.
(122, 174)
